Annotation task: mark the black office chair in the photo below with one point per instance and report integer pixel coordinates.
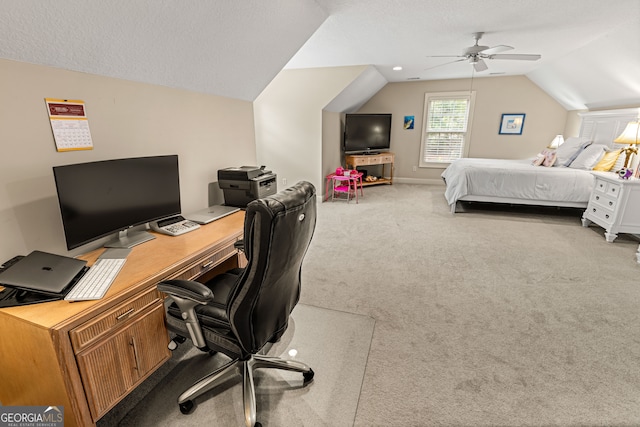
(239, 312)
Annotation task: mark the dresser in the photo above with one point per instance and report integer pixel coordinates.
(614, 205)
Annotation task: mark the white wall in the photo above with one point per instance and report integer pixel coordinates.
(126, 119)
(288, 121)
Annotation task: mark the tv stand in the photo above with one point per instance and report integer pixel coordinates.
(354, 161)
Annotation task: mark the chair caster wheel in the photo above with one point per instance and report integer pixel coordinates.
(187, 407)
(308, 376)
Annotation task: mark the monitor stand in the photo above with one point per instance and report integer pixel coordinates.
(129, 239)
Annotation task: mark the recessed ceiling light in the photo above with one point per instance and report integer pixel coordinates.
(397, 68)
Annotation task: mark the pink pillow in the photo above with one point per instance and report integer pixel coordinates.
(545, 158)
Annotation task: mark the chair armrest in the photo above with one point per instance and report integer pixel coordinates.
(187, 289)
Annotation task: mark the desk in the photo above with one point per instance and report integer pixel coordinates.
(87, 356)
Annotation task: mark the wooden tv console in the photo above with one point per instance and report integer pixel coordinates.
(353, 161)
(87, 356)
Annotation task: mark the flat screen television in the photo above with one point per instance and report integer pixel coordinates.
(367, 133)
(112, 196)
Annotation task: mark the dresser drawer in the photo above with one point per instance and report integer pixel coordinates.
(601, 216)
(107, 322)
(386, 159)
(609, 188)
(603, 201)
(358, 161)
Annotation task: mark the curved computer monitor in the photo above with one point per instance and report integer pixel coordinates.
(106, 197)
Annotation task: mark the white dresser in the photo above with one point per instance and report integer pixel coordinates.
(614, 205)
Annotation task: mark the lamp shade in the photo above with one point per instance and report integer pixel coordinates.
(557, 141)
(630, 135)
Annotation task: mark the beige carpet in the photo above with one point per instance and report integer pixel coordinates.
(493, 317)
(412, 316)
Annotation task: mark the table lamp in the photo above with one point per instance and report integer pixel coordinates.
(557, 141)
(630, 136)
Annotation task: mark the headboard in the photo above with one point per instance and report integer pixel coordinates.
(602, 127)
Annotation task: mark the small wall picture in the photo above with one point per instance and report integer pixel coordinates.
(408, 122)
(511, 124)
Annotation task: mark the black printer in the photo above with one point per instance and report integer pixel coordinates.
(246, 183)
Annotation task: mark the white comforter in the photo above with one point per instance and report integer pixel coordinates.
(516, 179)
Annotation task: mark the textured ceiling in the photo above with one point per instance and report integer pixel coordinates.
(235, 48)
(223, 47)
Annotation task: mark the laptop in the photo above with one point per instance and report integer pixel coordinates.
(212, 213)
(43, 272)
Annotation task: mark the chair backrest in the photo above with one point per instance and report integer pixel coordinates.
(277, 233)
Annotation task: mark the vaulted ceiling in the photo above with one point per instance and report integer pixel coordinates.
(590, 49)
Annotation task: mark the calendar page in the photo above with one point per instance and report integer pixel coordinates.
(69, 124)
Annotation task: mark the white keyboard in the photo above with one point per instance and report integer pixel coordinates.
(95, 282)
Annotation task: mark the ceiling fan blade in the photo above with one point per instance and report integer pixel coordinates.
(446, 63)
(497, 49)
(480, 65)
(521, 56)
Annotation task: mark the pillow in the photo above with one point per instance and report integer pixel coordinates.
(538, 160)
(619, 164)
(549, 157)
(545, 158)
(568, 151)
(608, 161)
(588, 157)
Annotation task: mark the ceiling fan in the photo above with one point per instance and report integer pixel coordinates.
(476, 54)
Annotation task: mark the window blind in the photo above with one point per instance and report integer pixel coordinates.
(446, 127)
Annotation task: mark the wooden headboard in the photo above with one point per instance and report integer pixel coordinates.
(602, 127)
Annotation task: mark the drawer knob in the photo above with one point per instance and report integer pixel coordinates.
(207, 264)
(597, 197)
(607, 216)
(610, 203)
(594, 209)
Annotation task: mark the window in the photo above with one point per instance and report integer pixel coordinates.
(446, 127)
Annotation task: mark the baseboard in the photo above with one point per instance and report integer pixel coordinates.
(430, 181)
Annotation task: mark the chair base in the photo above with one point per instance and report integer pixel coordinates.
(244, 368)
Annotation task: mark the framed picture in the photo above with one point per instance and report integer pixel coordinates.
(511, 124)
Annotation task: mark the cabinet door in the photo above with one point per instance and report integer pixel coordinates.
(114, 366)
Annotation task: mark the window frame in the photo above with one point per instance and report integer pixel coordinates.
(428, 97)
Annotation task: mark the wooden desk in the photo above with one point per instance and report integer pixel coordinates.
(87, 356)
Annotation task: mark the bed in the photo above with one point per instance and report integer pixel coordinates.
(520, 182)
(516, 182)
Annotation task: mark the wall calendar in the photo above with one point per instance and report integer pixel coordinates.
(69, 124)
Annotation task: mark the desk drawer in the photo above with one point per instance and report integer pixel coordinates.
(386, 159)
(103, 325)
(203, 265)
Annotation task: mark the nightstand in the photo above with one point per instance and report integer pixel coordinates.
(614, 205)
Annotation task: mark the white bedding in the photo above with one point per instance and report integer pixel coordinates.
(516, 179)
